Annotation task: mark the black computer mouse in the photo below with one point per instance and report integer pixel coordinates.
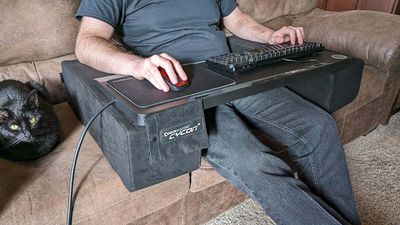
(182, 84)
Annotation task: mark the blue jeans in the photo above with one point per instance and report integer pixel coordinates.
(306, 134)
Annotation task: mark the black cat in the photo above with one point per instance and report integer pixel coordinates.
(28, 126)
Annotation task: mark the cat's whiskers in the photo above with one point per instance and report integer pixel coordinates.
(13, 143)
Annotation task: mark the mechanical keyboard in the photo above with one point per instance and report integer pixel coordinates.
(265, 54)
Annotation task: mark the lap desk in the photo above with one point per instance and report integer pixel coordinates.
(150, 136)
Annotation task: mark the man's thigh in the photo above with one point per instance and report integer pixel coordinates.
(234, 146)
(287, 119)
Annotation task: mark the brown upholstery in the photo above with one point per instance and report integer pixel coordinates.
(36, 192)
(366, 40)
(37, 35)
(36, 30)
(265, 10)
(204, 177)
(46, 72)
(33, 32)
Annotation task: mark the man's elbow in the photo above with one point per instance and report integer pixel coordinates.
(79, 51)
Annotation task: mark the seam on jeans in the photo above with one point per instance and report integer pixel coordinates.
(218, 163)
(315, 175)
(302, 139)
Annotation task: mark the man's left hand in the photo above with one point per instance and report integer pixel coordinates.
(286, 34)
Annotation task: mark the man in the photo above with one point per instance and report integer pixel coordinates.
(166, 33)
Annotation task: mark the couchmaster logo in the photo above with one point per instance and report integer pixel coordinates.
(182, 130)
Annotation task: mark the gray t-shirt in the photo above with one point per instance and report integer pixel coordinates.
(188, 30)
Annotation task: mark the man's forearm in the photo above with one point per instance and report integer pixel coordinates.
(103, 55)
(246, 27)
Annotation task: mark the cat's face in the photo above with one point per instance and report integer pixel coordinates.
(20, 119)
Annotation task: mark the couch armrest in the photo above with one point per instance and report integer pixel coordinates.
(369, 35)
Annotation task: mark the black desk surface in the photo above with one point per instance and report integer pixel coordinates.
(215, 86)
(143, 94)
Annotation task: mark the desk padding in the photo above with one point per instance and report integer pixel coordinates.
(143, 94)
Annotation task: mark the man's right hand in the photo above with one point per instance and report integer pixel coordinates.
(148, 68)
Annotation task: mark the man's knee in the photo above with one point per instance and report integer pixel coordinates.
(255, 162)
(321, 128)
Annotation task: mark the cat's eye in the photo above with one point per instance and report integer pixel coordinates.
(14, 127)
(32, 120)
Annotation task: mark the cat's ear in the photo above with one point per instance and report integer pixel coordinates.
(3, 115)
(32, 101)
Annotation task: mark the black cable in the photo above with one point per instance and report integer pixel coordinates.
(74, 160)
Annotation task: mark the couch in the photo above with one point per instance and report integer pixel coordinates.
(36, 36)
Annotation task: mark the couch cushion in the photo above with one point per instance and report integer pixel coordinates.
(21, 71)
(36, 30)
(204, 177)
(278, 22)
(45, 72)
(369, 35)
(264, 10)
(49, 71)
(36, 192)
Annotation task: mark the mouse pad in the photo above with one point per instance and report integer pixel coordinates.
(144, 95)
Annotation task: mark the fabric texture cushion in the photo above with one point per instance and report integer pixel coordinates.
(204, 177)
(46, 72)
(264, 10)
(367, 40)
(36, 192)
(49, 73)
(36, 30)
